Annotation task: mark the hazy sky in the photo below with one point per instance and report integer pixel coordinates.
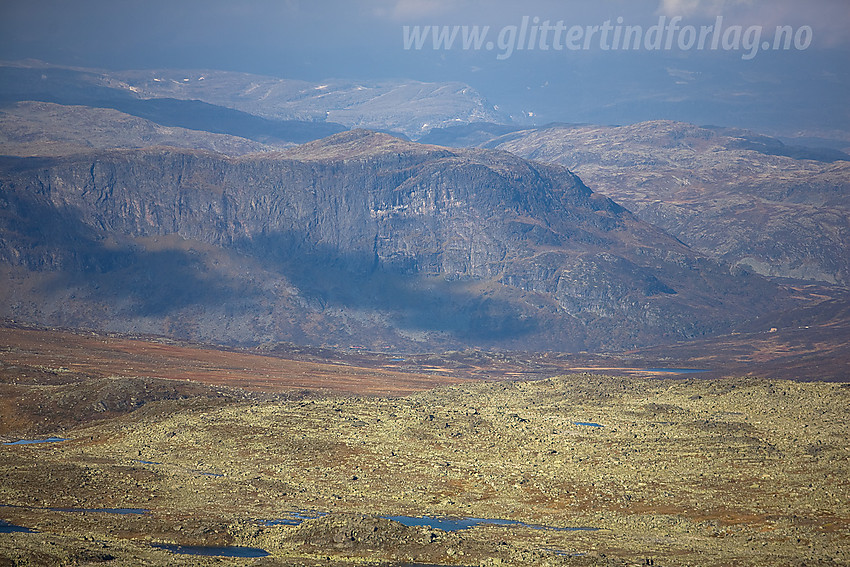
(743, 80)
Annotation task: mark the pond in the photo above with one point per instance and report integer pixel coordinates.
(122, 511)
(677, 370)
(8, 528)
(294, 519)
(456, 524)
(445, 523)
(211, 551)
(588, 424)
(33, 441)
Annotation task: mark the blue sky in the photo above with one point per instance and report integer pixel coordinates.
(778, 91)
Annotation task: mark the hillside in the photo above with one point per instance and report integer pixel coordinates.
(48, 129)
(745, 199)
(360, 238)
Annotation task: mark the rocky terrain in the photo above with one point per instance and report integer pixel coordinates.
(580, 469)
(56, 379)
(745, 199)
(360, 237)
(51, 380)
(45, 129)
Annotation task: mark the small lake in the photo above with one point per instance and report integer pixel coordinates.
(211, 551)
(588, 424)
(457, 524)
(7, 528)
(122, 511)
(677, 370)
(294, 519)
(444, 523)
(34, 441)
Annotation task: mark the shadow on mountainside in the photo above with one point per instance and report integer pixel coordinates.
(467, 309)
(155, 280)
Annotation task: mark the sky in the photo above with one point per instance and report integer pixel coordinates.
(746, 76)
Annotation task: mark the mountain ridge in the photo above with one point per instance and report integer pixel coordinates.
(728, 193)
(375, 239)
(44, 128)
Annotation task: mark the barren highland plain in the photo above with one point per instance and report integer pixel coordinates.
(247, 320)
(337, 464)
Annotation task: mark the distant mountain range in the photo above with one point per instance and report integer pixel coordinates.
(260, 108)
(412, 108)
(87, 87)
(227, 208)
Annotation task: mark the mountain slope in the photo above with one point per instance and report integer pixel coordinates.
(44, 128)
(358, 238)
(745, 199)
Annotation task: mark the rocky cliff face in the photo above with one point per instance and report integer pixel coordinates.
(360, 238)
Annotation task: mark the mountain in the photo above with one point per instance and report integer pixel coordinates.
(403, 106)
(260, 108)
(358, 239)
(88, 87)
(745, 199)
(45, 128)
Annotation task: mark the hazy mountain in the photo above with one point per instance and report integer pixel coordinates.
(261, 108)
(361, 238)
(86, 87)
(44, 128)
(746, 199)
(405, 106)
